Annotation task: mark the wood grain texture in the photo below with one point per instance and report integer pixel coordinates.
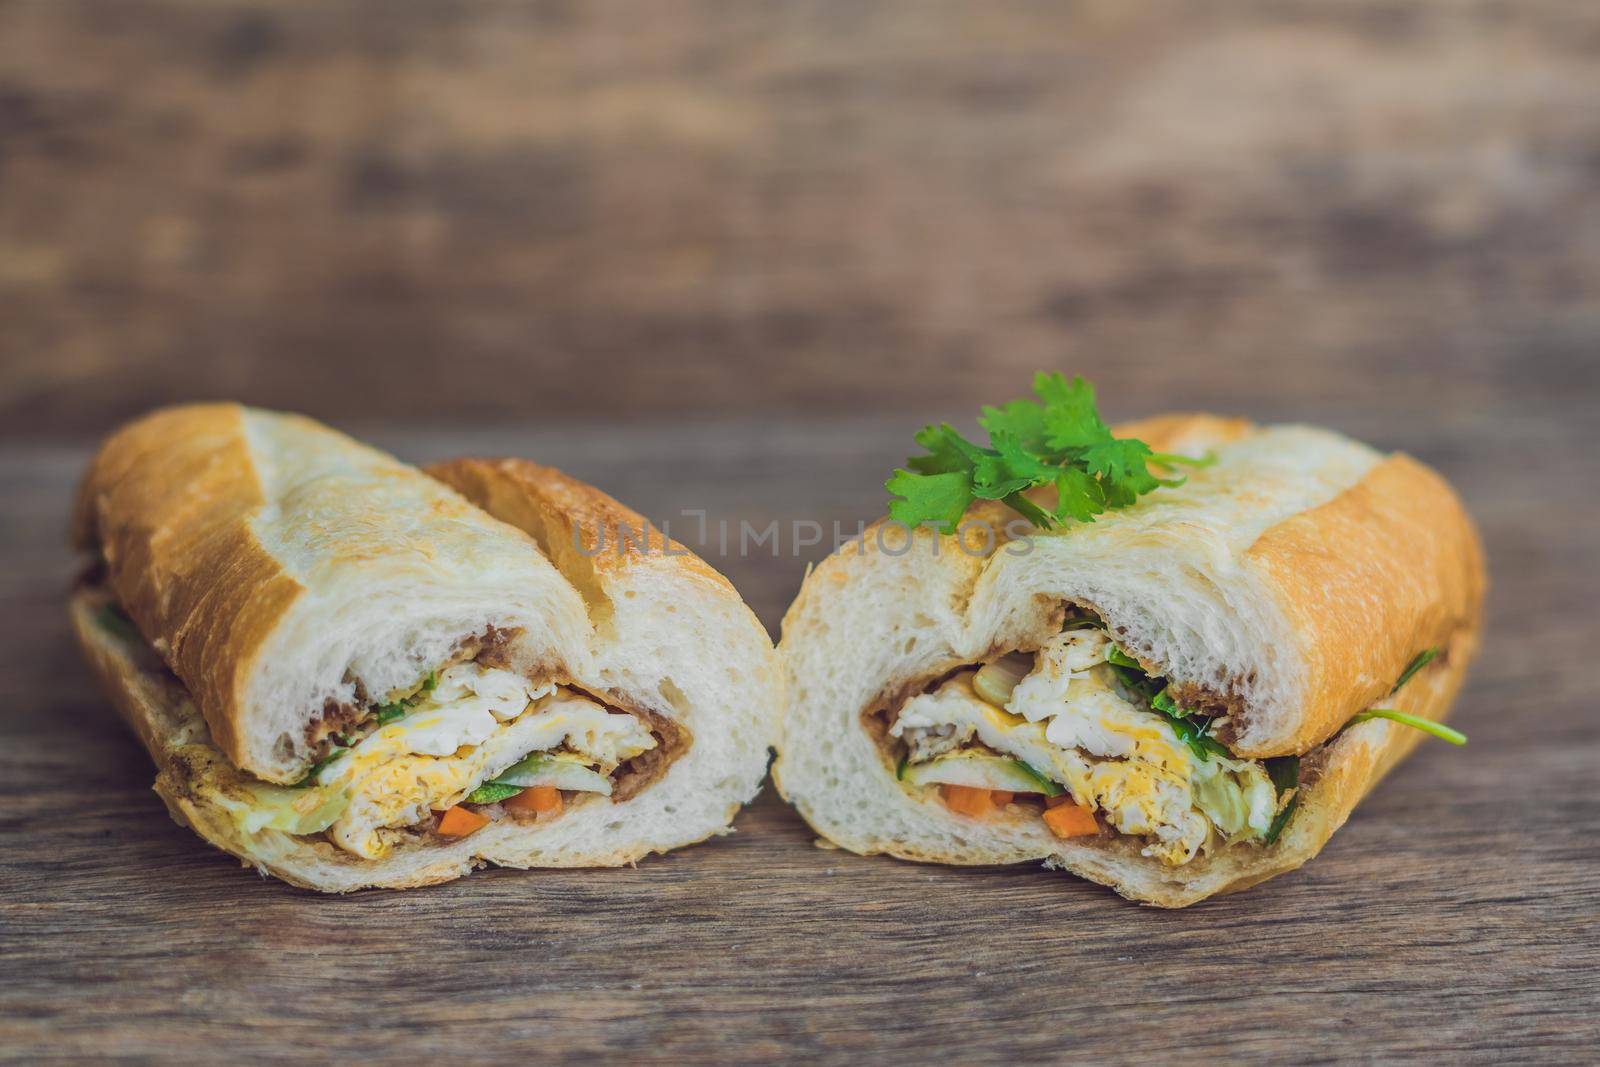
(414, 207)
(1454, 914)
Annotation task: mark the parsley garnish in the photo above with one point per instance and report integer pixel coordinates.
(1196, 733)
(1164, 703)
(1058, 441)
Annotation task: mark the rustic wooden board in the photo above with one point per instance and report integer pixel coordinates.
(1454, 915)
(412, 206)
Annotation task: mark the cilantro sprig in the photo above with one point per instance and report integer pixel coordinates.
(1193, 730)
(1058, 440)
(1285, 774)
(1419, 661)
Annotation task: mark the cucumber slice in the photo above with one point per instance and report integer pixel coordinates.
(983, 771)
(563, 772)
(492, 793)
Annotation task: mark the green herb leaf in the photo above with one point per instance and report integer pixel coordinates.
(492, 793)
(1029, 510)
(1196, 734)
(1193, 730)
(1119, 658)
(1421, 660)
(1285, 774)
(1078, 495)
(1164, 703)
(1060, 441)
(1021, 419)
(940, 499)
(316, 768)
(1071, 418)
(388, 713)
(1427, 726)
(947, 451)
(115, 623)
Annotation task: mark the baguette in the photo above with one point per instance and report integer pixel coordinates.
(270, 600)
(1279, 593)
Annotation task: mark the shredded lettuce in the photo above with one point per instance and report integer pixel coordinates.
(286, 808)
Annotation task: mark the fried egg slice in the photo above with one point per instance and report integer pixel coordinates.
(476, 722)
(1069, 721)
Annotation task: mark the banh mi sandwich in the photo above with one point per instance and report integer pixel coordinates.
(1171, 661)
(349, 674)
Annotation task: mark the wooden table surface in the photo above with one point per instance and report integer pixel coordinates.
(1454, 915)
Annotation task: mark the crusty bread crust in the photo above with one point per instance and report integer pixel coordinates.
(165, 503)
(593, 539)
(191, 773)
(264, 556)
(658, 631)
(1387, 568)
(1393, 552)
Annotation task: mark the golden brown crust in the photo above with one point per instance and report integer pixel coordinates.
(1182, 431)
(591, 538)
(1401, 530)
(166, 503)
(1356, 762)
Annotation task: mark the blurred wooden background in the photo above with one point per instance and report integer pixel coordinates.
(410, 208)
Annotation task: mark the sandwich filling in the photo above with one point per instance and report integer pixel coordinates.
(469, 744)
(1081, 728)
(472, 735)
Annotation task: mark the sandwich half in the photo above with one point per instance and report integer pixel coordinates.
(350, 674)
(1167, 699)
